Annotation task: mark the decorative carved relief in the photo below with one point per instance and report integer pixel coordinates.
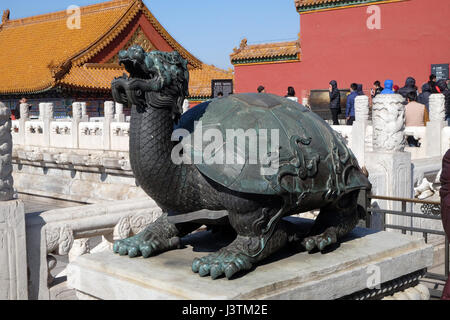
(133, 224)
(138, 38)
(388, 116)
(121, 129)
(59, 240)
(361, 108)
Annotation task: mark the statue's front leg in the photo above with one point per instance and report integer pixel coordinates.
(247, 250)
(158, 237)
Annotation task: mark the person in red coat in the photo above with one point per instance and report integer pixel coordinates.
(445, 208)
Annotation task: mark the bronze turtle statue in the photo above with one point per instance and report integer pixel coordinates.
(297, 163)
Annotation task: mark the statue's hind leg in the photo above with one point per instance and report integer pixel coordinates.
(247, 248)
(334, 222)
(158, 237)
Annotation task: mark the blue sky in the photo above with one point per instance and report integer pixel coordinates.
(209, 29)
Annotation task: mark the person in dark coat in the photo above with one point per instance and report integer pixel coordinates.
(335, 101)
(360, 91)
(445, 208)
(410, 86)
(443, 88)
(424, 97)
(432, 84)
(377, 88)
(350, 107)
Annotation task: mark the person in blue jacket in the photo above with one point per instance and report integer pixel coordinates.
(350, 108)
(388, 84)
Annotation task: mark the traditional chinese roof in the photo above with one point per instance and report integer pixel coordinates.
(266, 53)
(305, 6)
(200, 80)
(98, 76)
(41, 53)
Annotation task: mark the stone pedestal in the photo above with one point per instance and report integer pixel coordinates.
(364, 264)
(396, 168)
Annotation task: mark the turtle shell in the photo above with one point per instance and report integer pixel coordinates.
(287, 150)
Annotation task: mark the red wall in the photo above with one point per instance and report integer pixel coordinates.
(337, 45)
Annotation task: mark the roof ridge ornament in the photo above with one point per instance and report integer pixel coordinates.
(5, 17)
(243, 44)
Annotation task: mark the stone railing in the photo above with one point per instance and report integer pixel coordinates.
(388, 130)
(79, 133)
(66, 231)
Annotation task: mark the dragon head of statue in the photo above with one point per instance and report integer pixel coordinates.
(156, 79)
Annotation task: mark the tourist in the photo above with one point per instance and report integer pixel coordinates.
(432, 84)
(410, 86)
(377, 88)
(443, 88)
(350, 107)
(395, 88)
(17, 109)
(388, 87)
(360, 89)
(424, 97)
(261, 89)
(220, 95)
(291, 94)
(335, 102)
(445, 208)
(416, 116)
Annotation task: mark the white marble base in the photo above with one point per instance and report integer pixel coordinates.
(288, 275)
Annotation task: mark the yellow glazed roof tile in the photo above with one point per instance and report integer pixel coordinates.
(34, 49)
(38, 52)
(265, 51)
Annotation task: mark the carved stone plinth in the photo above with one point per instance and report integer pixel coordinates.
(396, 169)
(367, 265)
(388, 117)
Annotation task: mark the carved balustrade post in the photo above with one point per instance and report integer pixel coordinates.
(109, 116)
(120, 116)
(388, 156)
(77, 115)
(47, 117)
(359, 128)
(435, 125)
(24, 117)
(13, 253)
